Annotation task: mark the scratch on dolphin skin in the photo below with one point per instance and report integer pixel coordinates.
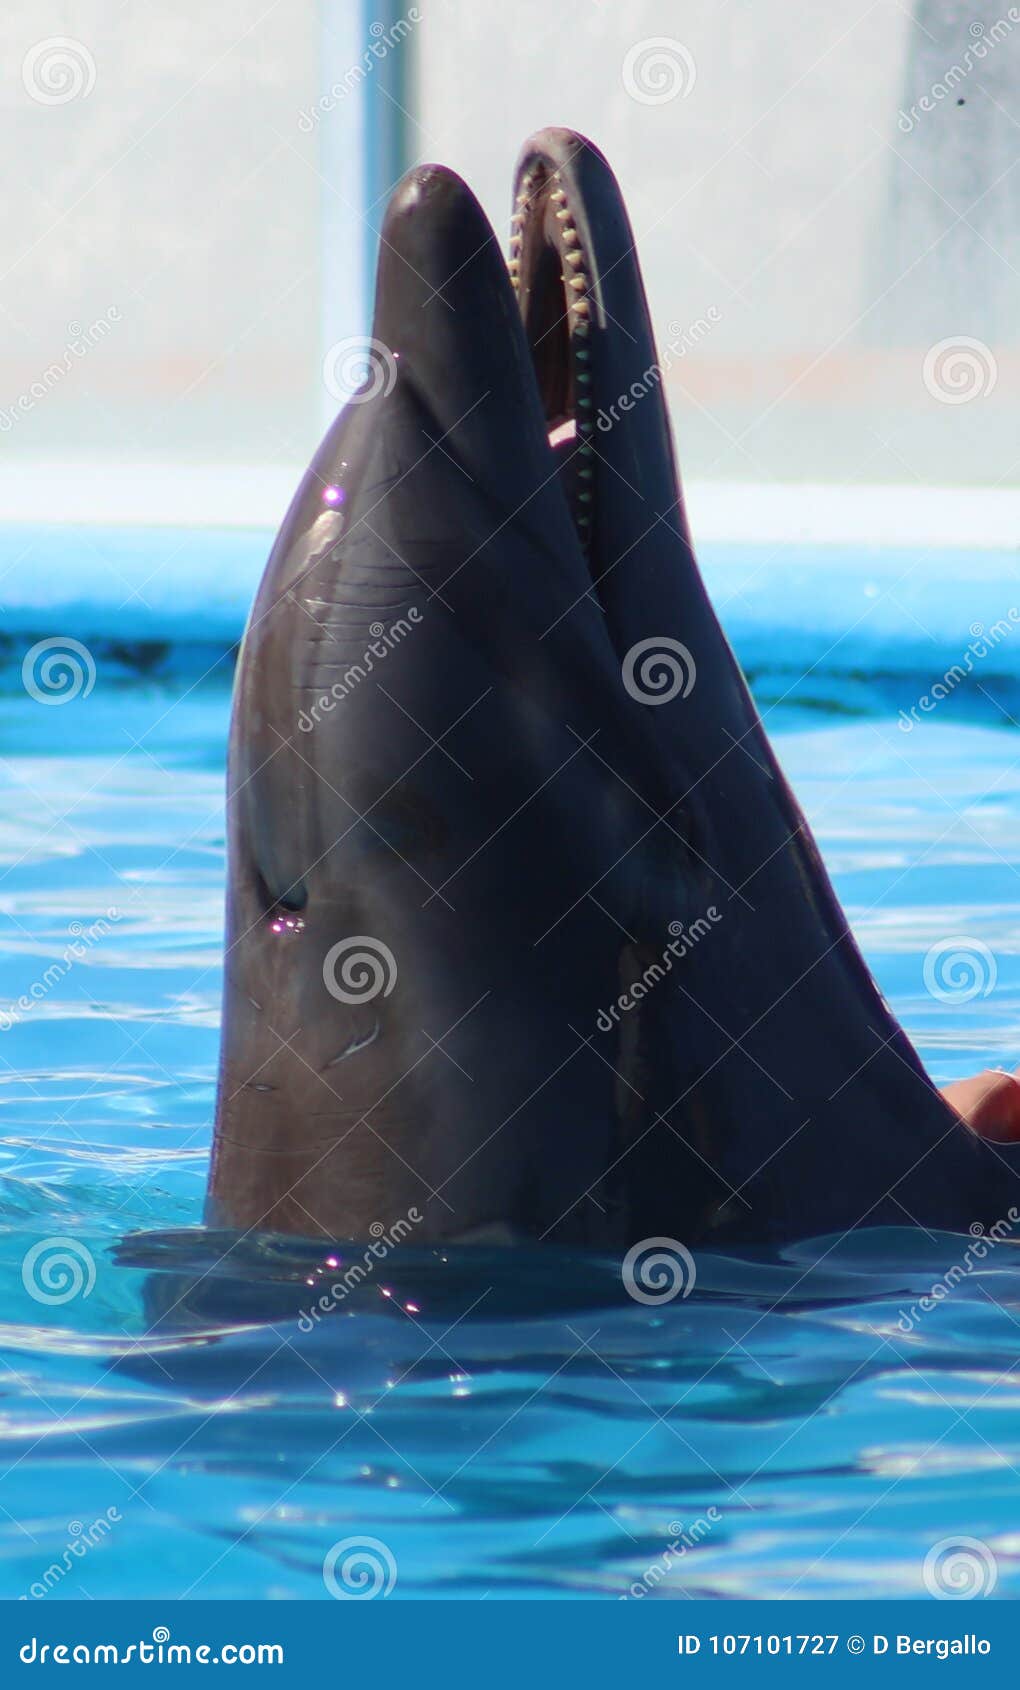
(355, 1045)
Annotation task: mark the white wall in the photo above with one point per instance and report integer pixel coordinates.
(780, 188)
(179, 198)
(176, 192)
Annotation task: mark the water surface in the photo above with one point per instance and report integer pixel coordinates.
(498, 1426)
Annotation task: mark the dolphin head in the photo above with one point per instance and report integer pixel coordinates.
(526, 933)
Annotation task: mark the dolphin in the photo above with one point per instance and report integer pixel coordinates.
(527, 937)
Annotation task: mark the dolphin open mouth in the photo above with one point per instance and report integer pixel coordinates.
(551, 272)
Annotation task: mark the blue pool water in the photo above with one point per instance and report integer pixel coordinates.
(779, 1431)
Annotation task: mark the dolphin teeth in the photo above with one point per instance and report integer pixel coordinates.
(557, 196)
(580, 306)
(585, 472)
(562, 215)
(578, 283)
(570, 236)
(583, 377)
(574, 258)
(581, 354)
(516, 220)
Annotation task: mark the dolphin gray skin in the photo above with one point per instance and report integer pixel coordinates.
(526, 934)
